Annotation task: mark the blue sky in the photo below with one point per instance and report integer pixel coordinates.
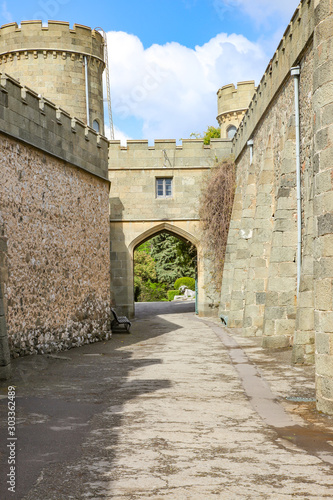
(168, 59)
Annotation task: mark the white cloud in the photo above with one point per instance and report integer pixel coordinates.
(170, 88)
(258, 10)
(5, 14)
(121, 136)
(118, 134)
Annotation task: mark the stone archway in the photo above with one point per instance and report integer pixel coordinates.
(128, 236)
(164, 227)
(160, 228)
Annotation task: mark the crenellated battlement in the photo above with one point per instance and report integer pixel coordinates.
(169, 144)
(56, 36)
(53, 60)
(192, 153)
(295, 39)
(231, 99)
(37, 121)
(232, 103)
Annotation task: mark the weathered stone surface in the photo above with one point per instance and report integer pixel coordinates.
(325, 224)
(50, 60)
(270, 124)
(138, 214)
(55, 220)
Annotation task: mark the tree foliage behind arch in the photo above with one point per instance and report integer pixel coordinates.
(158, 263)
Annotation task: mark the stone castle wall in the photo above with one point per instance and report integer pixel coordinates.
(185, 164)
(296, 37)
(54, 227)
(259, 289)
(323, 202)
(138, 214)
(50, 60)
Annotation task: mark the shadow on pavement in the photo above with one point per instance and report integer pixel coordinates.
(61, 397)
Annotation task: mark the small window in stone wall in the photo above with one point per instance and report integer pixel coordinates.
(96, 126)
(164, 187)
(231, 131)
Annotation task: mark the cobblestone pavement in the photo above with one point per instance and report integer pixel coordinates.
(179, 409)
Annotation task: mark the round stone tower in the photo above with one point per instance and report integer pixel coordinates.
(62, 64)
(232, 104)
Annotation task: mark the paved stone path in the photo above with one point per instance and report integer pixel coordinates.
(163, 414)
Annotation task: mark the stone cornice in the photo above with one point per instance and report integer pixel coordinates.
(45, 51)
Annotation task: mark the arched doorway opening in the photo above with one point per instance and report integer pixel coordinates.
(163, 234)
(162, 264)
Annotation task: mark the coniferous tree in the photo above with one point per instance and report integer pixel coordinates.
(158, 263)
(174, 258)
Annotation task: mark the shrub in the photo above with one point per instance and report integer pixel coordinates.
(172, 294)
(216, 203)
(189, 282)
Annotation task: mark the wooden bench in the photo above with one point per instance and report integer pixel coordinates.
(120, 320)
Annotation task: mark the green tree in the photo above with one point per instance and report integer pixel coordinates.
(144, 266)
(144, 272)
(158, 263)
(174, 258)
(211, 133)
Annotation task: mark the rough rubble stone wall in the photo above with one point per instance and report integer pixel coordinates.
(57, 282)
(4, 348)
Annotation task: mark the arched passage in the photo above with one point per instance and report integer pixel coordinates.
(160, 228)
(159, 259)
(127, 237)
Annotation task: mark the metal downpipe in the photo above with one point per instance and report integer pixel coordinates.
(295, 72)
(87, 88)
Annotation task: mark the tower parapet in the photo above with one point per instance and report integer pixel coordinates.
(232, 104)
(51, 60)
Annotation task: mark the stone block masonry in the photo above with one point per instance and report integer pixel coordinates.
(232, 104)
(259, 288)
(137, 213)
(322, 205)
(51, 59)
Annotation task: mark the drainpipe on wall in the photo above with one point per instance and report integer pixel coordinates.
(295, 72)
(87, 88)
(250, 144)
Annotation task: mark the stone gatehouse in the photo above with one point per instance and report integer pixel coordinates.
(138, 212)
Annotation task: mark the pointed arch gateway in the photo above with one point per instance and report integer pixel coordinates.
(161, 228)
(127, 237)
